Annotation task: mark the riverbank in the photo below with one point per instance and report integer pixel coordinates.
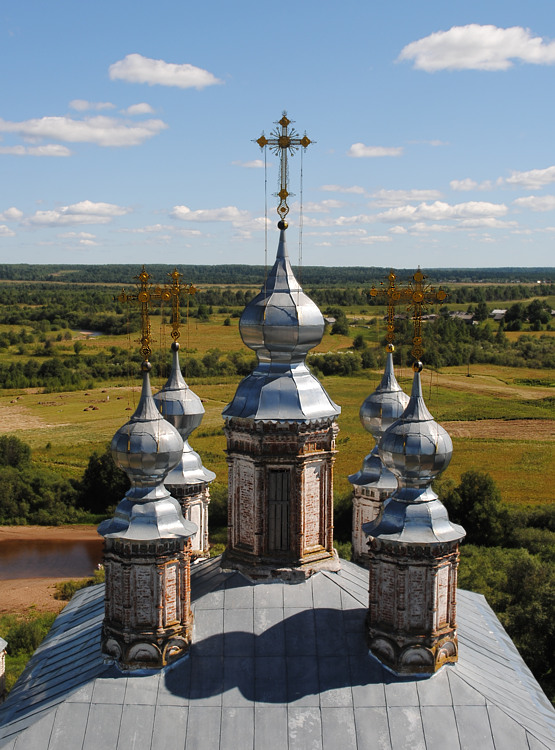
(23, 595)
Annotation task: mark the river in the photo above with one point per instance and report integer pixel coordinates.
(40, 558)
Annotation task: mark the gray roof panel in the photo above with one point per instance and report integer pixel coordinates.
(273, 660)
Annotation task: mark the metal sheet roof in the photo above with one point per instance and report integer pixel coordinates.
(275, 665)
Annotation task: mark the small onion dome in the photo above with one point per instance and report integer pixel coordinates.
(147, 447)
(386, 404)
(281, 324)
(374, 473)
(177, 402)
(416, 448)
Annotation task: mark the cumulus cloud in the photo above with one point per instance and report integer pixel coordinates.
(163, 229)
(440, 211)
(534, 179)
(51, 149)
(390, 198)
(101, 130)
(77, 236)
(476, 47)
(6, 231)
(138, 109)
(322, 207)
(11, 214)
(468, 184)
(227, 213)
(360, 151)
(254, 164)
(356, 189)
(536, 202)
(82, 105)
(84, 212)
(135, 68)
(339, 221)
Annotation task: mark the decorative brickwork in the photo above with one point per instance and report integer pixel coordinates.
(412, 610)
(194, 500)
(367, 503)
(280, 509)
(148, 621)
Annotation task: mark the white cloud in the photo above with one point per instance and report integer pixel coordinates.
(356, 189)
(254, 164)
(82, 105)
(534, 179)
(399, 230)
(104, 131)
(227, 213)
(536, 202)
(360, 151)
(390, 198)
(163, 228)
(338, 233)
(322, 207)
(468, 184)
(51, 149)
(476, 47)
(6, 231)
(138, 109)
(85, 212)
(372, 239)
(77, 236)
(487, 221)
(340, 221)
(135, 68)
(440, 211)
(11, 214)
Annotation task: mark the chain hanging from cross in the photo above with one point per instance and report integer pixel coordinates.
(393, 295)
(284, 142)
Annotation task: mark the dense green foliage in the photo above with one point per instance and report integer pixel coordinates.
(246, 274)
(66, 589)
(23, 635)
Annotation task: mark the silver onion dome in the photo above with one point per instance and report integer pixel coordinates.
(378, 412)
(182, 408)
(416, 449)
(281, 324)
(147, 448)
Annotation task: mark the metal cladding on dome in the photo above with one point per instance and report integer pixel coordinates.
(386, 404)
(416, 448)
(177, 402)
(281, 324)
(378, 411)
(184, 410)
(147, 448)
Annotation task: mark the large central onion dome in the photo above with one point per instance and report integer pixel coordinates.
(281, 324)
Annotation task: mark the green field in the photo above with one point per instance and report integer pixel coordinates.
(63, 429)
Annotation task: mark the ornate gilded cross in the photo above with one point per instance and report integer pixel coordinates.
(393, 295)
(420, 295)
(143, 297)
(174, 293)
(283, 142)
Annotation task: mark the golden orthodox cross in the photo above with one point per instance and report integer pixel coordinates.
(143, 297)
(283, 142)
(393, 295)
(420, 295)
(174, 293)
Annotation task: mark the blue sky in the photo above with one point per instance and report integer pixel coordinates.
(126, 131)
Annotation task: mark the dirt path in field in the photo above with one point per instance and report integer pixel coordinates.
(19, 596)
(503, 429)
